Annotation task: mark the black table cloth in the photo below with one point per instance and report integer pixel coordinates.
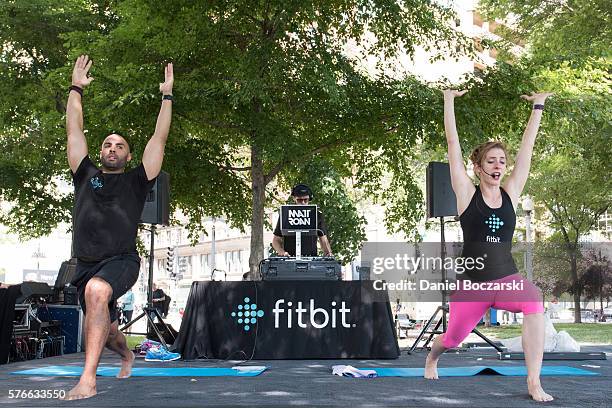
(286, 320)
(8, 296)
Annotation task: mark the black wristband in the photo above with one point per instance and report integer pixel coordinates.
(167, 98)
(77, 89)
(538, 106)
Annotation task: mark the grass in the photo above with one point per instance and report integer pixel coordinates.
(133, 341)
(582, 332)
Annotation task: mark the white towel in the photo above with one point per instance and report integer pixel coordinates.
(350, 371)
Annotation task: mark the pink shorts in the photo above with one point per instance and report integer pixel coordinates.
(468, 304)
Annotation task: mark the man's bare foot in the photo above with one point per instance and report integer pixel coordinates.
(536, 392)
(431, 368)
(84, 389)
(126, 366)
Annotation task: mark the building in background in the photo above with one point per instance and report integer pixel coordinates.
(36, 259)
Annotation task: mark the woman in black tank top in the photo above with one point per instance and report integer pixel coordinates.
(487, 216)
(488, 231)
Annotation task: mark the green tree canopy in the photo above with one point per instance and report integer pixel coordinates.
(567, 51)
(574, 30)
(259, 87)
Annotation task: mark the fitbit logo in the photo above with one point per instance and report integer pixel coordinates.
(247, 314)
(494, 222)
(317, 317)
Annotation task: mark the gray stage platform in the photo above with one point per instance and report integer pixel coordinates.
(310, 383)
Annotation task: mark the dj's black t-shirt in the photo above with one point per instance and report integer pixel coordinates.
(107, 209)
(309, 242)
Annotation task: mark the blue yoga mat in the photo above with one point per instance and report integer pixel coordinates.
(478, 370)
(72, 371)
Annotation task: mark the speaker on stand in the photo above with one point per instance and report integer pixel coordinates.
(441, 202)
(156, 211)
(441, 199)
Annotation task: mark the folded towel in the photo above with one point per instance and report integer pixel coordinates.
(350, 371)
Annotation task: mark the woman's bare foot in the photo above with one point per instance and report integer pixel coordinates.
(126, 366)
(84, 389)
(536, 392)
(431, 368)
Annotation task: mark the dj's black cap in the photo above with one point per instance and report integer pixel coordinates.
(301, 190)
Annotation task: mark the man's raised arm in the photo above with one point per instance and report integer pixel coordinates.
(77, 145)
(153, 155)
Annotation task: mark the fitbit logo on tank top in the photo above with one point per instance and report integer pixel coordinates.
(494, 223)
(96, 182)
(317, 317)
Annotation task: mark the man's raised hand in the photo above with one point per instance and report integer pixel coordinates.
(166, 87)
(80, 70)
(453, 93)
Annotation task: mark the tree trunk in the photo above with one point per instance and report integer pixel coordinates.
(577, 318)
(601, 308)
(257, 218)
(577, 289)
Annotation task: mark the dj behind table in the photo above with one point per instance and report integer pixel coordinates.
(299, 225)
(301, 309)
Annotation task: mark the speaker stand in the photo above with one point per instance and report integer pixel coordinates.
(149, 309)
(443, 309)
(147, 312)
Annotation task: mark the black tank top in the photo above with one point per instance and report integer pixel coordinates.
(487, 234)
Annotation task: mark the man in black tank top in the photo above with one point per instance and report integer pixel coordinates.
(488, 219)
(107, 208)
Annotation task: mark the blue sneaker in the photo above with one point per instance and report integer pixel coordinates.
(161, 354)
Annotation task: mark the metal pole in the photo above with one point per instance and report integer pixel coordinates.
(298, 245)
(529, 265)
(443, 256)
(601, 265)
(213, 247)
(150, 289)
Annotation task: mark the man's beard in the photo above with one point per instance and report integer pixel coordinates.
(118, 164)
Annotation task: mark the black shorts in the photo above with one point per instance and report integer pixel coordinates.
(120, 272)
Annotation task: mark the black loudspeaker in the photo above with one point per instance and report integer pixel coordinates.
(157, 205)
(66, 273)
(441, 199)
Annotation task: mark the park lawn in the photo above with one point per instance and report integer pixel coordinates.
(595, 333)
(133, 341)
(582, 332)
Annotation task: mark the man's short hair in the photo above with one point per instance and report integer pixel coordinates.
(129, 145)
